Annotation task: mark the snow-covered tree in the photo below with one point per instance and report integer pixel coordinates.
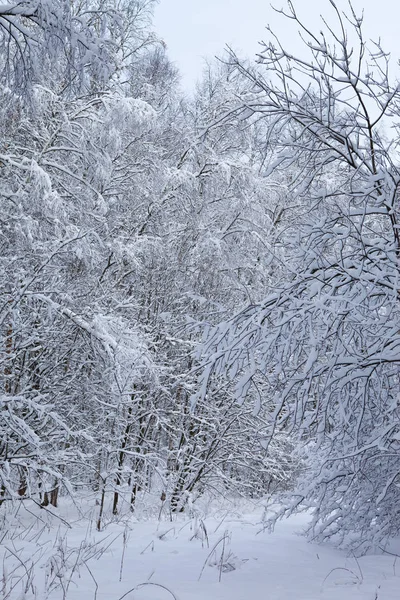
(326, 340)
(128, 220)
(82, 42)
(70, 342)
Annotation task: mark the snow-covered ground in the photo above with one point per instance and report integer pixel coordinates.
(220, 557)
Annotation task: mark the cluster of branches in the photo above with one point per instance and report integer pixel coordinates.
(82, 44)
(133, 220)
(326, 340)
(126, 223)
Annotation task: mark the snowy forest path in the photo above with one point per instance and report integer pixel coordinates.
(224, 558)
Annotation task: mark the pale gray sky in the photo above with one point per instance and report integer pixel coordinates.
(197, 29)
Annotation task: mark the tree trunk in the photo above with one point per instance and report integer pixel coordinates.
(54, 494)
(46, 501)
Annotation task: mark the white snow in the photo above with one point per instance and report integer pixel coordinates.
(162, 560)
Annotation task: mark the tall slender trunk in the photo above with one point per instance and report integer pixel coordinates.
(121, 458)
(54, 494)
(101, 510)
(7, 367)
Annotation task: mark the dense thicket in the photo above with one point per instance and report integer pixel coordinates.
(126, 223)
(162, 258)
(326, 340)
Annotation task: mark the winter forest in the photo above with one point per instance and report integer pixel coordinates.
(199, 307)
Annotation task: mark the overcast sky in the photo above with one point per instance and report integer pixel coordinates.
(197, 29)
